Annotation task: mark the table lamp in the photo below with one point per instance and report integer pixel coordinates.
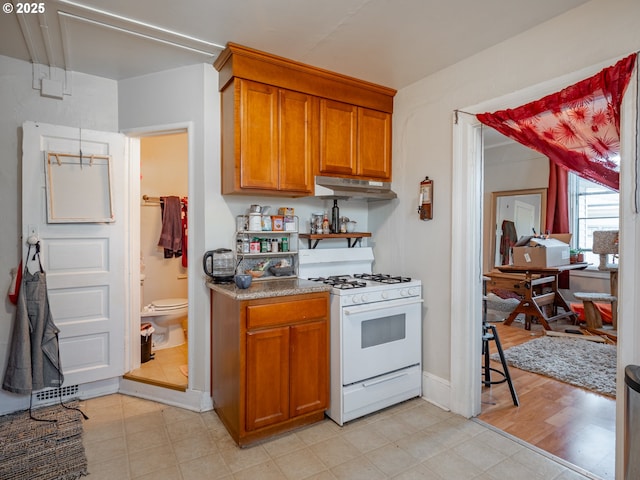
(605, 242)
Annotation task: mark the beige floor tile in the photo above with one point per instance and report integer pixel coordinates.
(391, 459)
(211, 467)
(359, 468)
(283, 444)
(335, 451)
(450, 465)
(299, 464)
(192, 447)
(135, 439)
(241, 458)
(104, 450)
(418, 472)
(263, 471)
(114, 468)
(154, 459)
(365, 438)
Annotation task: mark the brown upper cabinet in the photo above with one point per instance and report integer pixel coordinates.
(284, 122)
(354, 141)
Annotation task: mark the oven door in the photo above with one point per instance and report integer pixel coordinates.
(381, 337)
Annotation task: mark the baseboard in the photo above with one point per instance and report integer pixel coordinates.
(191, 399)
(436, 390)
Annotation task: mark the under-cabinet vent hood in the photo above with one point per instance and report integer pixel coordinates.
(333, 187)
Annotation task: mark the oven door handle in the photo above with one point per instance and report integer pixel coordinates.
(386, 305)
(383, 380)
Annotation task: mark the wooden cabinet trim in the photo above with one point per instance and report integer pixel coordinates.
(284, 313)
(244, 62)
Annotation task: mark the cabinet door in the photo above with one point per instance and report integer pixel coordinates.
(309, 368)
(374, 143)
(297, 141)
(267, 377)
(258, 117)
(338, 129)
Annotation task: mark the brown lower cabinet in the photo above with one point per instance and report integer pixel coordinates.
(269, 363)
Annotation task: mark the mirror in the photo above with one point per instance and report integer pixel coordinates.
(514, 214)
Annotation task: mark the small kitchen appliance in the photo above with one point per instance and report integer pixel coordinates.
(376, 331)
(220, 265)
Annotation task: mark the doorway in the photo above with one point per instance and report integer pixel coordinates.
(467, 272)
(160, 316)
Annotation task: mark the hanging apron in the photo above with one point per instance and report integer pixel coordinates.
(34, 356)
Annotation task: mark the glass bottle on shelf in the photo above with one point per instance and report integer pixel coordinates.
(326, 228)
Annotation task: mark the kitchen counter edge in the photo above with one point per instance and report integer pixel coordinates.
(270, 288)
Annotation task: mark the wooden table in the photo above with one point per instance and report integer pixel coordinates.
(533, 305)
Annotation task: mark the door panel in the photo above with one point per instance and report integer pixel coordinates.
(267, 377)
(86, 263)
(337, 137)
(309, 367)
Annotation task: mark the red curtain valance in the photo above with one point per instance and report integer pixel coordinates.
(578, 127)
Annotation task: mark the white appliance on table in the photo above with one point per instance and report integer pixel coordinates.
(376, 332)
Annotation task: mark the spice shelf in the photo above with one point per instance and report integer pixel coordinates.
(352, 238)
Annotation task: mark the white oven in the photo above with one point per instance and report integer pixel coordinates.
(376, 332)
(378, 338)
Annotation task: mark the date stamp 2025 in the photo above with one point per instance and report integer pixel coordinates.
(23, 7)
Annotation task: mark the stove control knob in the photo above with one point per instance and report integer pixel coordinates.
(403, 293)
(364, 298)
(356, 299)
(384, 295)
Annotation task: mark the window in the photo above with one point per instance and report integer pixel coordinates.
(592, 207)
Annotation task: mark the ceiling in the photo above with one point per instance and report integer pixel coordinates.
(392, 43)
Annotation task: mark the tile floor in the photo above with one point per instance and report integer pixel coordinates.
(132, 438)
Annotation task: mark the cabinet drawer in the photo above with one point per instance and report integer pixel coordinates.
(286, 312)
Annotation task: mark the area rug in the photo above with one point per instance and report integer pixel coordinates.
(585, 364)
(33, 450)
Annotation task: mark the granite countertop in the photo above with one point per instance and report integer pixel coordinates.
(270, 288)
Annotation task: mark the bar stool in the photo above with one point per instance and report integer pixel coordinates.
(490, 334)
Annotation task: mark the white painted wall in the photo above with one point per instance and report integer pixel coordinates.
(423, 117)
(92, 105)
(163, 172)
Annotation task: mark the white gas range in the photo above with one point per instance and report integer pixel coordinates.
(376, 332)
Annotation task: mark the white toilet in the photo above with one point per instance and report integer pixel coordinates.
(166, 316)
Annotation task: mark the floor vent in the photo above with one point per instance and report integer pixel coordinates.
(55, 393)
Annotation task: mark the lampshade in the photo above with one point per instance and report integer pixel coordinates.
(605, 241)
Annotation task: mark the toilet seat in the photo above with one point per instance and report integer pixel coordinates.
(169, 304)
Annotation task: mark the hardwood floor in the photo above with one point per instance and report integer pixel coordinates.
(574, 424)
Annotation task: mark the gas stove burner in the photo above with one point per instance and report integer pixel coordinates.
(382, 278)
(343, 282)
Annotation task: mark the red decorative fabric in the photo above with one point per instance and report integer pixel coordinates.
(577, 127)
(557, 219)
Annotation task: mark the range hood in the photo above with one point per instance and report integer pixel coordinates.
(333, 187)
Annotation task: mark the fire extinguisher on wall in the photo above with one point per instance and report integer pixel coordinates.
(425, 203)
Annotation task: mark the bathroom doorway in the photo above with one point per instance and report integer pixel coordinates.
(164, 293)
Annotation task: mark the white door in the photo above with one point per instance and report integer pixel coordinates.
(524, 218)
(86, 263)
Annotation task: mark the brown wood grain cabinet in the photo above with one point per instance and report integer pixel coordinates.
(284, 121)
(354, 141)
(269, 141)
(270, 363)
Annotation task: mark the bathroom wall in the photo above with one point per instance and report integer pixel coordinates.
(163, 172)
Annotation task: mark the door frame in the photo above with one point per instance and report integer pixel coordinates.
(466, 264)
(132, 355)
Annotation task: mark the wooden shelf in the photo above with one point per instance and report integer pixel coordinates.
(352, 238)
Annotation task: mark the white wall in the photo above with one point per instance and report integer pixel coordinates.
(92, 105)
(181, 96)
(163, 172)
(423, 117)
